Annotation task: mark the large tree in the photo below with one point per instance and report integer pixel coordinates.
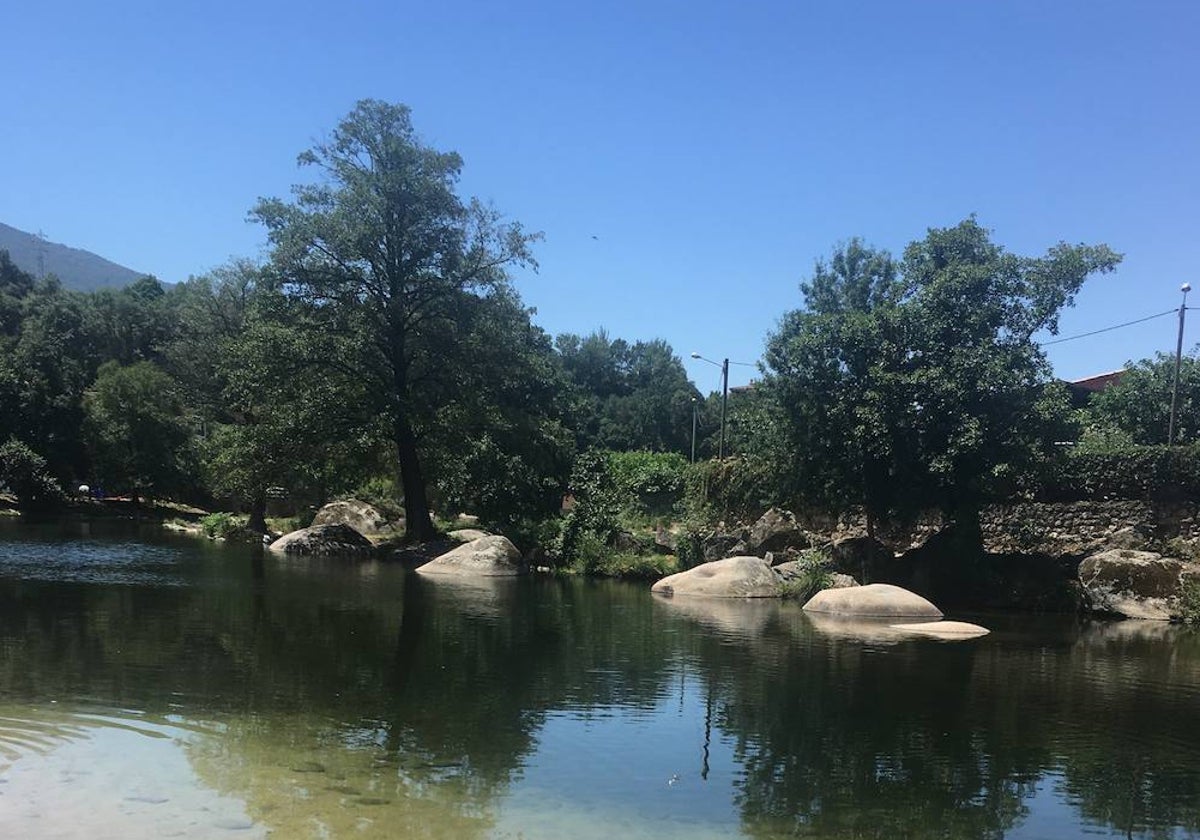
(919, 382)
(383, 250)
(628, 396)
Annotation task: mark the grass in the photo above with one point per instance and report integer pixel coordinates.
(635, 566)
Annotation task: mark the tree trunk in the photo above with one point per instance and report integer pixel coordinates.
(258, 514)
(417, 522)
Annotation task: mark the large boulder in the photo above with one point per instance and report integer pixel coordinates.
(733, 577)
(1133, 584)
(493, 556)
(361, 516)
(775, 530)
(323, 539)
(880, 600)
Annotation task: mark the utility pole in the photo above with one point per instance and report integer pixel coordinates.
(1185, 288)
(724, 405)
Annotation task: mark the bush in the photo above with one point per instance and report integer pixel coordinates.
(1188, 610)
(648, 482)
(220, 526)
(737, 488)
(24, 472)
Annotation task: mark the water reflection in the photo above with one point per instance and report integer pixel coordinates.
(346, 698)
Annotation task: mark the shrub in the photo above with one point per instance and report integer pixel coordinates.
(648, 482)
(1188, 610)
(220, 525)
(24, 472)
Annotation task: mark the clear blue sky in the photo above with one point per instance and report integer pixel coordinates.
(687, 161)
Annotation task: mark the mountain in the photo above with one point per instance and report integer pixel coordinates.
(77, 269)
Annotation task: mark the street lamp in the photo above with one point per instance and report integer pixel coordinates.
(1185, 288)
(724, 366)
(695, 411)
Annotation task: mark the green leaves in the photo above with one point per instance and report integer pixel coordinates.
(918, 384)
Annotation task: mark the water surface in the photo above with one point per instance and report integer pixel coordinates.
(154, 685)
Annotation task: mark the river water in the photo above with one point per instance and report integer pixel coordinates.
(154, 685)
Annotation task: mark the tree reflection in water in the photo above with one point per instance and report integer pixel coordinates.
(351, 697)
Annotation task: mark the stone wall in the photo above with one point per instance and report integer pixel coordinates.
(1080, 528)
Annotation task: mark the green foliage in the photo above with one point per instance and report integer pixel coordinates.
(649, 482)
(25, 474)
(628, 396)
(590, 525)
(135, 429)
(220, 525)
(390, 265)
(621, 564)
(1138, 406)
(1188, 610)
(917, 383)
(738, 488)
(381, 492)
(813, 576)
(1138, 472)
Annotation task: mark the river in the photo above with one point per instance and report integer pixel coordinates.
(156, 685)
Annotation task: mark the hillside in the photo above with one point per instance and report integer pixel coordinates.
(77, 269)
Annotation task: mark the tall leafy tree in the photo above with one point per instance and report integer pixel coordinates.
(918, 382)
(629, 396)
(383, 250)
(136, 431)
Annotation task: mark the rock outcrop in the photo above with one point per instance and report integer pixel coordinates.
(492, 556)
(875, 600)
(323, 539)
(775, 530)
(1134, 584)
(733, 577)
(364, 518)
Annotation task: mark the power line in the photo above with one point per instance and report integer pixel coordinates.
(1108, 329)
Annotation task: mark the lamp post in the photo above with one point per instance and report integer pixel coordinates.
(724, 366)
(1185, 288)
(695, 411)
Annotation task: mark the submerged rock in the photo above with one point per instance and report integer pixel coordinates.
(733, 577)
(876, 599)
(491, 556)
(944, 629)
(323, 539)
(1133, 584)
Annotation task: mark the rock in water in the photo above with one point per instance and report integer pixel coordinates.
(733, 577)
(1133, 584)
(493, 556)
(323, 539)
(875, 599)
(950, 630)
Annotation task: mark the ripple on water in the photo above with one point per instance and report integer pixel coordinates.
(94, 561)
(89, 774)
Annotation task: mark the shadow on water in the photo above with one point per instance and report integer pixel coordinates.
(367, 701)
